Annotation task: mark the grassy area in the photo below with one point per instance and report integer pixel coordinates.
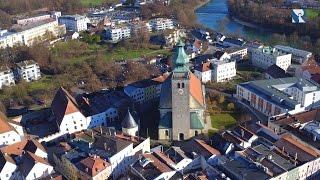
(312, 13)
(44, 83)
(220, 121)
(89, 3)
(132, 54)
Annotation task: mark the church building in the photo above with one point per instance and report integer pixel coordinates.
(182, 101)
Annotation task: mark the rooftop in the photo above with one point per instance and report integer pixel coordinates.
(272, 89)
(271, 51)
(92, 165)
(26, 63)
(276, 72)
(76, 17)
(293, 50)
(19, 28)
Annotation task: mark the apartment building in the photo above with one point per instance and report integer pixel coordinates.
(298, 55)
(160, 24)
(223, 71)
(8, 133)
(237, 53)
(203, 72)
(117, 33)
(267, 56)
(6, 76)
(27, 34)
(278, 96)
(28, 70)
(75, 23)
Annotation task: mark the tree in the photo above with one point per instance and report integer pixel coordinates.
(221, 99)
(230, 106)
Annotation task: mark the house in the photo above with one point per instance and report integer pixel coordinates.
(149, 166)
(277, 96)
(7, 167)
(28, 71)
(179, 160)
(299, 56)
(117, 33)
(221, 55)
(8, 134)
(93, 167)
(145, 90)
(104, 107)
(75, 23)
(160, 24)
(310, 70)
(275, 72)
(30, 157)
(267, 56)
(221, 144)
(6, 77)
(223, 71)
(203, 71)
(237, 53)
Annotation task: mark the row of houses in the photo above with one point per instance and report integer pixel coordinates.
(116, 33)
(27, 70)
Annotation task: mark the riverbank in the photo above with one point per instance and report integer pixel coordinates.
(200, 5)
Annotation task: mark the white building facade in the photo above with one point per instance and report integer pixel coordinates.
(28, 70)
(298, 55)
(267, 56)
(118, 33)
(6, 77)
(75, 23)
(160, 24)
(223, 71)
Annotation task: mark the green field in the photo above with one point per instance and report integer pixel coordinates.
(312, 13)
(220, 121)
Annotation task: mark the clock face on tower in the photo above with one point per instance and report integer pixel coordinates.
(180, 91)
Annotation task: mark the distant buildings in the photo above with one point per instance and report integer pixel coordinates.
(204, 71)
(182, 101)
(117, 33)
(75, 23)
(160, 24)
(28, 70)
(298, 55)
(6, 77)
(27, 34)
(278, 96)
(267, 56)
(231, 42)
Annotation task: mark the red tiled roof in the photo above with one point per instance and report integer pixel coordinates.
(207, 147)
(24, 145)
(164, 158)
(302, 117)
(196, 89)
(92, 165)
(157, 163)
(294, 146)
(4, 125)
(63, 104)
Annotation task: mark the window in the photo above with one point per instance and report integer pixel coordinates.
(75, 127)
(182, 85)
(167, 133)
(178, 85)
(196, 133)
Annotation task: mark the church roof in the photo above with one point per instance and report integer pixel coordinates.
(180, 57)
(166, 121)
(195, 121)
(128, 121)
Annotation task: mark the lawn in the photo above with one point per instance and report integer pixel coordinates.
(220, 121)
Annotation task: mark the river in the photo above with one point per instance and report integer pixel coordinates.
(215, 13)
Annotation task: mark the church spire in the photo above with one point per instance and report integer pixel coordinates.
(180, 57)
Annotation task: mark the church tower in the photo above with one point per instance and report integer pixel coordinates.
(182, 101)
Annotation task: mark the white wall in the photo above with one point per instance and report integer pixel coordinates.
(39, 170)
(8, 138)
(73, 122)
(7, 171)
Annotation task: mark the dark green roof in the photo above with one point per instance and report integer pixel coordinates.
(195, 121)
(180, 57)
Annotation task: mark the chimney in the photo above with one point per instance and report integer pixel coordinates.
(92, 135)
(105, 146)
(282, 149)
(87, 169)
(242, 133)
(100, 129)
(296, 156)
